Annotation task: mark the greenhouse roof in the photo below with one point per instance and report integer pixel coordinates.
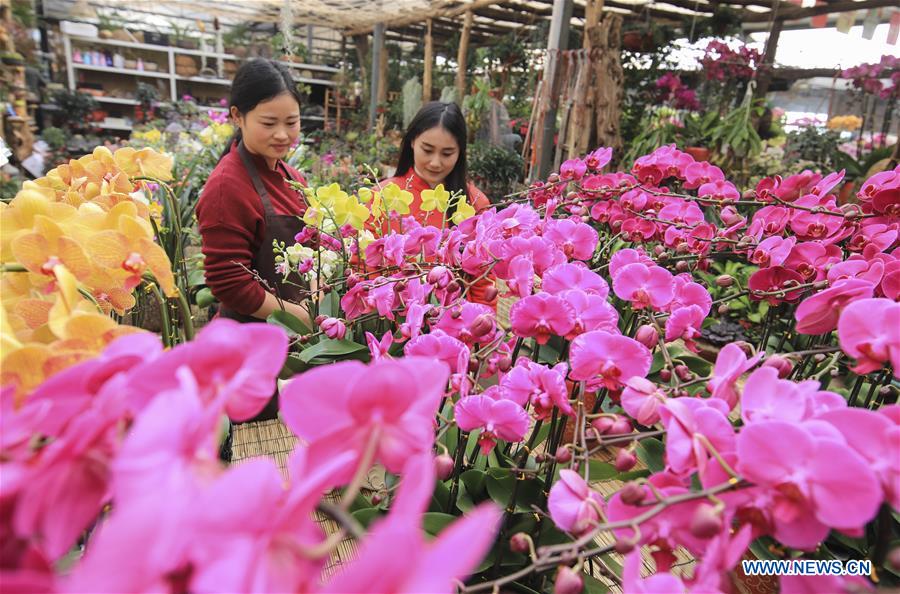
(406, 18)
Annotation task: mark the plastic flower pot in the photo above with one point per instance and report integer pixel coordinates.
(699, 153)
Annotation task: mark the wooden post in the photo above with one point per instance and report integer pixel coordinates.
(362, 56)
(768, 61)
(429, 59)
(461, 61)
(592, 10)
(557, 42)
(608, 82)
(377, 47)
(383, 74)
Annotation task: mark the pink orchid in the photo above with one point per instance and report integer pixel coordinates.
(869, 331)
(812, 258)
(333, 328)
(573, 505)
(574, 276)
(857, 267)
(541, 316)
(661, 582)
(819, 313)
(395, 557)
(386, 407)
(598, 159)
(719, 190)
(685, 323)
(592, 312)
(811, 225)
(772, 251)
(62, 491)
(355, 301)
(798, 184)
(573, 169)
(638, 230)
(497, 419)
(701, 172)
(644, 286)
(813, 483)
(382, 297)
(641, 399)
(611, 358)
(770, 220)
(415, 318)
(378, 349)
(687, 293)
(776, 280)
(681, 211)
(731, 364)
(869, 433)
(542, 386)
(667, 530)
(577, 240)
(880, 235)
(890, 282)
(692, 423)
(628, 256)
(441, 346)
(766, 397)
(244, 379)
(235, 548)
(470, 322)
(172, 443)
(521, 276)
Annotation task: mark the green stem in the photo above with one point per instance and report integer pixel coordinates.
(164, 315)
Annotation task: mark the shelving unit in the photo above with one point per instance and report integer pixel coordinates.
(165, 57)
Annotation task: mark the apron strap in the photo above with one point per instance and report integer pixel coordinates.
(258, 185)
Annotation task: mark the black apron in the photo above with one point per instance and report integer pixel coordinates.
(280, 228)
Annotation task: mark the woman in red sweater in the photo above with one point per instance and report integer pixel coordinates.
(433, 152)
(247, 203)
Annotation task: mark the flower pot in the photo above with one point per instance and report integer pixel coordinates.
(699, 153)
(631, 40)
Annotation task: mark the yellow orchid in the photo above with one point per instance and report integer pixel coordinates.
(47, 246)
(464, 211)
(365, 195)
(131, 249)
(145, 162)
(436, 199)
(395, 199)
(350, 211)
(329, 195)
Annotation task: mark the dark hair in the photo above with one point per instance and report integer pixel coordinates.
(256, 81)
(449, 117)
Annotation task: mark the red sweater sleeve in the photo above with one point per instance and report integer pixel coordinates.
(231, 219)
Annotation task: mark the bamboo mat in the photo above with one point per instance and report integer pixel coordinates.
(274, 439)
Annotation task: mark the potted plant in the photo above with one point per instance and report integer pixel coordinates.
(147, 96)
(12, 58)
(697, 133)
(182, 38)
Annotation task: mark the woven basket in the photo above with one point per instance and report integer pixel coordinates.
(274, 439)
(185, 66)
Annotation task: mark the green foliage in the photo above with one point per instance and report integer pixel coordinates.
(76, 106)
(813, 144)
(495, 170)
(735, 135)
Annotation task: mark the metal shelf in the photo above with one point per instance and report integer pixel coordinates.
(114, 70)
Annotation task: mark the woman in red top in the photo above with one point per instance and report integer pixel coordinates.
(246, 204)
(433, 152)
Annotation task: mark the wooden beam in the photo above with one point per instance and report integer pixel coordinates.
(795, 13)
(429, 60)
(362, 55)
(452, 11)
(383, 75)
(768, 60)
(461, 57)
